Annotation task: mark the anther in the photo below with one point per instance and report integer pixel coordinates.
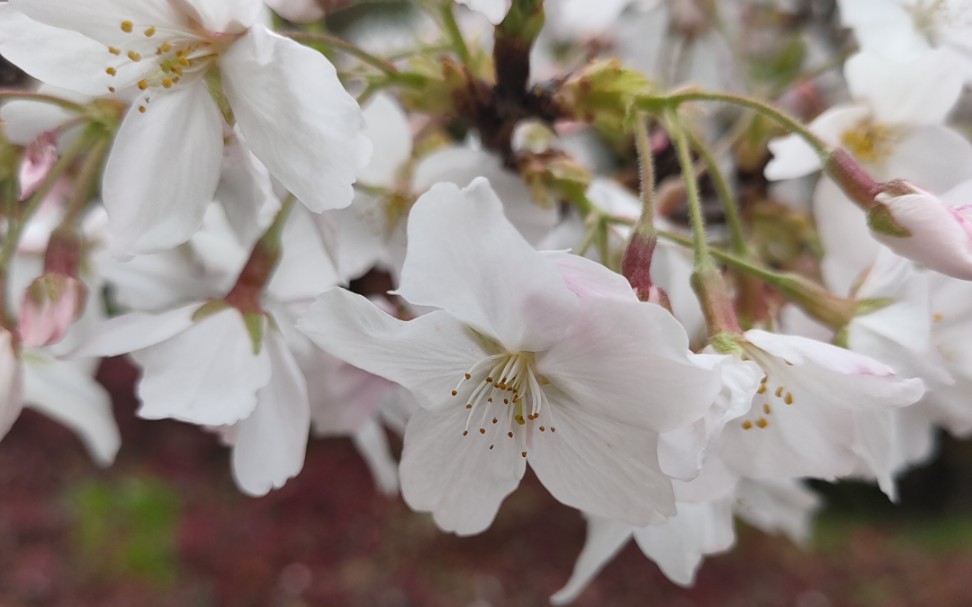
(111, 71)
(465, 432)
(747, 425)
(552, 429)
(114, 50)
(542, 428)
(111, 89)
(788, 399)
(510, 434)
(491, 447)
(767, 409)
(779, 392)
(482, 430)
(519, 419)
(523, 453)
(126, 26)
(149, 31)
(142, 85)
(468, 376)
(761, 389)
(469, 405)
(165, 47)
(134, 56)
(141, 109)
(455, 392)
(495, 420)
(761, 422)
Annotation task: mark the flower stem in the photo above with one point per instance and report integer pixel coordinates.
(651, 103)
(454, 33)
(71, 106)
(729, 202)
(335, 42)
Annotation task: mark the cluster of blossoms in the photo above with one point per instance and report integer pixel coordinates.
(520, 192)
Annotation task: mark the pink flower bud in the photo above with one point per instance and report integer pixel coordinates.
(37, 164)
(51, 304)
(922, 227)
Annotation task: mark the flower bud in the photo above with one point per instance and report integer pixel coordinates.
(602, 93)
(920, 226)
(38, 160)
(51, 304)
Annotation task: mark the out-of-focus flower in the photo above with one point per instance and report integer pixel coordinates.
(298, 11)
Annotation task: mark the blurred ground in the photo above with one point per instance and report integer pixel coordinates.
(166, 527)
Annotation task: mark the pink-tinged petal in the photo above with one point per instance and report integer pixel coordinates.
(629, 361)
(207, 374)
(601, 466)
(485, 273)
(587, 278)
(679, 544)
(296, 117)
(51, 304)
(53, 55)
(298, 11)
(459, 479)
(605, 538)
(101, 20)
(461, 165)
(162, 170)
(135, 331)
(270, 443)
(940, 235)
(11, 383)
(388, 130)
(38, 160)
(848, 379)
(428, 355)
(793, 157)
(66, 392)
(922, 90)
(372, 444)
(949, 165)
(343, 397)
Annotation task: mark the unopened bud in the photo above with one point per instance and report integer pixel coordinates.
(603, 93)
(51, 304)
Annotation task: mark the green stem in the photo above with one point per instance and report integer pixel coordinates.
(335, 42)
(680, 141)
(646, 174)
(454, 33)
(85, 180)
(729, 202)
(788, 122)
(70, 106)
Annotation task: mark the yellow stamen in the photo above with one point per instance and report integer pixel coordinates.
(126, 26)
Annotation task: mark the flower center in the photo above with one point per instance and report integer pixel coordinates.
(768, 392)
(503, 392)
(869, 141)
(170, 56)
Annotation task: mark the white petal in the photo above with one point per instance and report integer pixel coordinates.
(920, 91)
(773, 506)
(605, 538)
(461, 165)
(296, 117)
(64, 391)
(679, 544)
(135, 331)
(305, 269)
(457, 478)
(949, 164)
(389, 132)
(53, 55)
(848, 246)
(270, 443)
(494, 10)
(629, 361)
(428, 355)
(587, 278)
(466, 258)
(101, 19)
(208, 374)
(246, 192)
(601, 466)
(227, 17)
(162, 170)
(11, 383)
(297, 11)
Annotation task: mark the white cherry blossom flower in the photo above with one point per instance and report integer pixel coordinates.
(516, 366)
(164, 166)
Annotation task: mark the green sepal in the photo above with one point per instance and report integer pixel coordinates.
(880, 220)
